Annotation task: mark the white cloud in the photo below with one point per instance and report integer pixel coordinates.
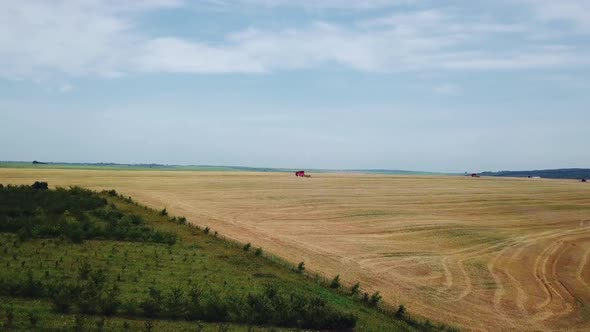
(576, 12)
(65, 88)
(313, 4)
(448, 89)
(178, 55)
(39, 39)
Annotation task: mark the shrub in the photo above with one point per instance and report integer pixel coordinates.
(9, 311)
(401, 311)
(62, 296)
(110, 303)
(100, 324)
(200, 327)
(152, 306)
(98, 278)
(175, 304)
(194, 299)
(258, 252)
(164, 212)
(40, 185)
(88, 300)
(247, 246)
(206, 230)
(79, 323)
(33, 318)
(335, 283)
(301, 267)
(355, 289)
(375, 299)
(84, 270)
(148, 326)
(112, 193)
(366, 298)
(130, 308)
(215, 309)
(31, 287)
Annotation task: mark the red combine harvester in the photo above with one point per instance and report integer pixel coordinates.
(302, 174)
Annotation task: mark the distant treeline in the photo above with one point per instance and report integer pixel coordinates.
(562, 173)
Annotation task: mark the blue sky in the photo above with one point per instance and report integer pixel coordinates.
(400, 84)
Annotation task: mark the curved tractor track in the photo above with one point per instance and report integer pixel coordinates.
(481, 253)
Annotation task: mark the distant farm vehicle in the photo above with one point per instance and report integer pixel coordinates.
(473, 175)
(302, 174)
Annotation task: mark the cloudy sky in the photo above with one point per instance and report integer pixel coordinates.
(398, 84)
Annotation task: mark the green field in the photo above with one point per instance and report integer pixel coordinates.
(104, 262)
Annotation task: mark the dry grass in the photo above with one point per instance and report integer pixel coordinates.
(485, 253)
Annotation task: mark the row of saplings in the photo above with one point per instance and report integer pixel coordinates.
(76, 214)
(92, 294)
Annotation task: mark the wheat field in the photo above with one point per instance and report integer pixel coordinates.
(480, 253)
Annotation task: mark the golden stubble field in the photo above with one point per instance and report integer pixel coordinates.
(484, 254)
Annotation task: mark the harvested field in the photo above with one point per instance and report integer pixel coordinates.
(485, 254)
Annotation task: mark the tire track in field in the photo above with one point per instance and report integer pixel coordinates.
(514, 287)
(447, 274)
(541, 275)
(558, 294)
(522, 243)
(475, 323)
(521, 296)
(546, 271)
(469, 253)
(468, 282)
(561, 291)
(500, 289)
(580, 270)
